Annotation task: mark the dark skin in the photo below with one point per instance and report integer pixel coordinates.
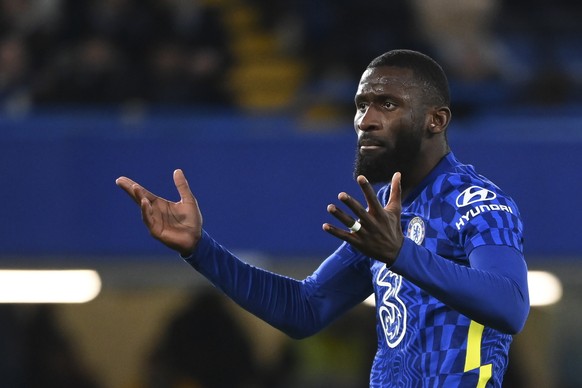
(389, 102)
(389, 105)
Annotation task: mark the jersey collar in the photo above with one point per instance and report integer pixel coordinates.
(446, 164)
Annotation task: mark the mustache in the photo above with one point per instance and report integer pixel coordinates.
(368, 140)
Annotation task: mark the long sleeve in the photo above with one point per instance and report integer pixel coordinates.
(492, 291)
(298, 308)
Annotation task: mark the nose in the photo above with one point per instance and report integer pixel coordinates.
(367, 120)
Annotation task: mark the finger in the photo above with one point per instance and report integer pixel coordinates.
(339, 233)
(123, 181)
(354, 206)
(395, 199)
(369, 193)
(182, 186)
(127, 185)
(147, 213)
(134, 190)
(340, 215)
(140, 192)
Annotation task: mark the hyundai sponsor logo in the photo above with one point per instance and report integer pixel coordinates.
(474, 194)
(474, 212)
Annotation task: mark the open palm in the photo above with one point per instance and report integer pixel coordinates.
(176, 224)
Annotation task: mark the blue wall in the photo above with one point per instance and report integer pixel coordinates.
(263, 185)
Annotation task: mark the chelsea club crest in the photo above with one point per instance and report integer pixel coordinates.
(416, 230)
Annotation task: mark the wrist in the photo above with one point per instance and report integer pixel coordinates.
(192, 249)
(392, 255)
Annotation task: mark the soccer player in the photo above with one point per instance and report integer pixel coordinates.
(439, 245)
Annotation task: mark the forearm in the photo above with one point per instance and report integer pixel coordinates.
(298, 308)
(497, 299)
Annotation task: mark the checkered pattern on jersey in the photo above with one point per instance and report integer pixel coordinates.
(453, 231)
(433, 350)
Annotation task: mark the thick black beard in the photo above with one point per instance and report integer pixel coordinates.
(376, 168)
(380, 167)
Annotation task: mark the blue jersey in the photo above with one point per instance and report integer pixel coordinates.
(422, 341)
(462, 256)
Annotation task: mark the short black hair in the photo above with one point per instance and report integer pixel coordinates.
(426, 70)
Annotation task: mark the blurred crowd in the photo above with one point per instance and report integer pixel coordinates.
(36, 352)
(495, 52)
(111, 51)
(177, 51)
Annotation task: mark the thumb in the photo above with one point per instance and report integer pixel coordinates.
(182, 186)
(395, 200)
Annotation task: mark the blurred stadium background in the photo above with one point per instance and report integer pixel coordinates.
(253, 100)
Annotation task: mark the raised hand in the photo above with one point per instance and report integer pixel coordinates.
(380, 234)
(176, 224)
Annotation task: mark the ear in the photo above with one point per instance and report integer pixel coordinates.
(438, 119)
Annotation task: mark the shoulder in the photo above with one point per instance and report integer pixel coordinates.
(478, 211)
(463, 194)
(462, 187)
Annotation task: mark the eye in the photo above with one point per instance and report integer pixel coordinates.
(361, 106)
(388, 105)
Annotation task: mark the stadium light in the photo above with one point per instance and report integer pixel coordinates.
(49, 286)
(544, 288)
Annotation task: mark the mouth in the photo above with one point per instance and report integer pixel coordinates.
(369, 145)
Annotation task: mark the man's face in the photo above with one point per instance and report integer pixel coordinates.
(389, 122)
